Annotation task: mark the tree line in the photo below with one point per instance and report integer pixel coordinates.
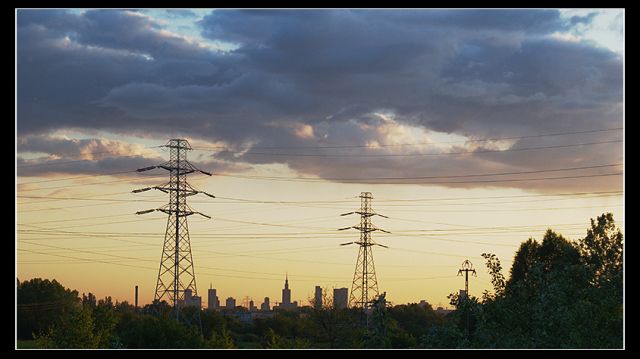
(559, 294)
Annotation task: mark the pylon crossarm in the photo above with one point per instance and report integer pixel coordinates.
(180, 170)
(365, 229)
(207, 194)
(146, 168)
(162, 189)
(183, 191)
(203, 215)
(365, 214)
(141, 190)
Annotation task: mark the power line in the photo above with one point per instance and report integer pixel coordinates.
(383, 200)
(78, 219)
(420, 143)
(496, 202)
(500, 197)
(321, 180)
(107, 223)
(426, 154)
(84, 198)
(499, 210)
(254, 201)
(338, 178)
(84, 160)
(78, 177)
(71, 257)
(430, 177)
(82, 185)
(150, 260)
(233, 236)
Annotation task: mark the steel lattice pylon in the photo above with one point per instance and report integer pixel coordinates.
(176, 273)
(364, 288)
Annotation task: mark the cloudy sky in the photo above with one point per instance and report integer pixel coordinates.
(314, 104)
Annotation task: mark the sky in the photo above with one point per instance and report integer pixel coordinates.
(473, 130)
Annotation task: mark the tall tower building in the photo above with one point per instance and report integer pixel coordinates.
(214, 302)
(265, 307)
(286, 294)
(318, 298)
(340, 298)
(231, 303)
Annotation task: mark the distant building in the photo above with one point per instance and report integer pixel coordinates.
(286, 293)
(251, 306)
(340, 298)
(463, 293)
(231, 303)
(191, 300)
(318, 298)
(286, 296)
(214, 302)
(265, 307)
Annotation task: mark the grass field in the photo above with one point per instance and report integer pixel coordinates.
(27, 344)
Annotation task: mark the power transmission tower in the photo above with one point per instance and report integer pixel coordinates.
(176, 273)
(364, 289)
(466, 268)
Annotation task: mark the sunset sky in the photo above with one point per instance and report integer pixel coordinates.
(473, 130)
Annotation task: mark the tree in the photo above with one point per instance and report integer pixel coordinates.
(105, 320)
(447, 335)
(272, 340)
(41, 304)
(561, 294)
(377, 336)
(221, 340)
(414, 319)
(497, 278)
(147, 331)
(601, 249)
(74, 330)
(326, 319)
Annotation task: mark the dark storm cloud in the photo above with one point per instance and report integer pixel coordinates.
(480, 74)
(98, 156)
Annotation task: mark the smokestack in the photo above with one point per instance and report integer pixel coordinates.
(136, 296)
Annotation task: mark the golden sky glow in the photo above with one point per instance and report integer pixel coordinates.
(246, 248)
(474, 130)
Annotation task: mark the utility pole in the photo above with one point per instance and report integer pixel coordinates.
(176, 273)
(466, 268)
(364, 289)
